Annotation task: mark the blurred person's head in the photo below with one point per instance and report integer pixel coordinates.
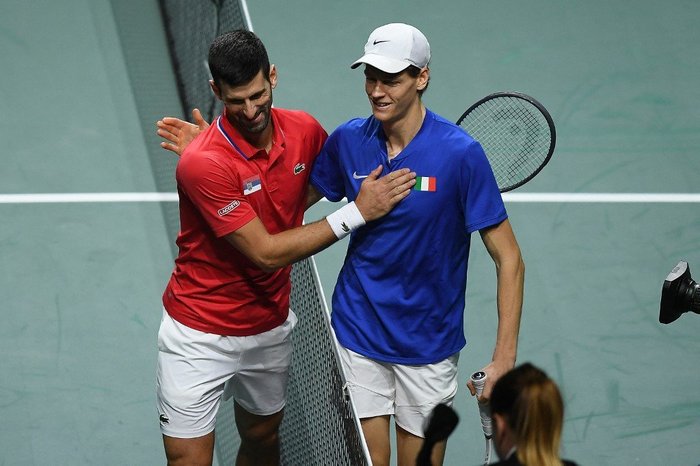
(528, 416)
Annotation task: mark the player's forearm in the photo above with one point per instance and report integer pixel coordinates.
(290, 246)
(511, 278)
(376, 198)
(272, 251)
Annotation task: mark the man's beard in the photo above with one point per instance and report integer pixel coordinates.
(260, 127)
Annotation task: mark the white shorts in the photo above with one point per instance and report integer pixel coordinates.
(408, 392)
(195, 369)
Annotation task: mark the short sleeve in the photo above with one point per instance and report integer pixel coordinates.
(483, 204)
(327, 175)
(215, 192)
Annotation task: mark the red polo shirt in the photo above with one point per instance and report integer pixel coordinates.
(223, 183)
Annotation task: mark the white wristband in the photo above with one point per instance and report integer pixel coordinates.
(345, 220)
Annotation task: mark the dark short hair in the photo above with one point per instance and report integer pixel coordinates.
(236, 57)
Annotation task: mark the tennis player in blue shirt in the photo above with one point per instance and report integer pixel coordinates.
(399, 302)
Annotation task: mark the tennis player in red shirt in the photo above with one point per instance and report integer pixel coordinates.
(243, 190)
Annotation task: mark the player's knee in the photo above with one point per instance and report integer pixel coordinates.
(262, 434)
(187, 460)
(189, 452)
(261, 437)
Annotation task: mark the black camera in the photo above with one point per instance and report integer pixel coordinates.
(679, 294)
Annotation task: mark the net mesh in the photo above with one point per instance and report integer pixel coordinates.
(191, 26)
(515, 135)
(319, 426)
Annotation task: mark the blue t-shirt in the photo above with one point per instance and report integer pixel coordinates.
(400, 294)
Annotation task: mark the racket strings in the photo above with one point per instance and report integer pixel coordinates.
(514, 134)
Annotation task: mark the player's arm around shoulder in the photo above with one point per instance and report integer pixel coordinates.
(503, 248)
(178, 134)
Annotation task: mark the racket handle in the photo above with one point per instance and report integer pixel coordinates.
(479, 380)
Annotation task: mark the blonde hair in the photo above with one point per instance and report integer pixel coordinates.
(534, 410)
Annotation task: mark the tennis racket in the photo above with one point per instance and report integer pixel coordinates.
(516, 132)
(479, 380)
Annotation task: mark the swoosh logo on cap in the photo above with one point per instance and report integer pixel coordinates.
(379, 42)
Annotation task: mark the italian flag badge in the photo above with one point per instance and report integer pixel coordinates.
(425, 183)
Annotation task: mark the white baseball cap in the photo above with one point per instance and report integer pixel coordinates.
(394, 47)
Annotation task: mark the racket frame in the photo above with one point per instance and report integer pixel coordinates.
(540, 108)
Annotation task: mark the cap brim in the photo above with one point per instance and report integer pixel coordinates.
(387, 65)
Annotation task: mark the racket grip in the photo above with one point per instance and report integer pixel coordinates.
(479, 380)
